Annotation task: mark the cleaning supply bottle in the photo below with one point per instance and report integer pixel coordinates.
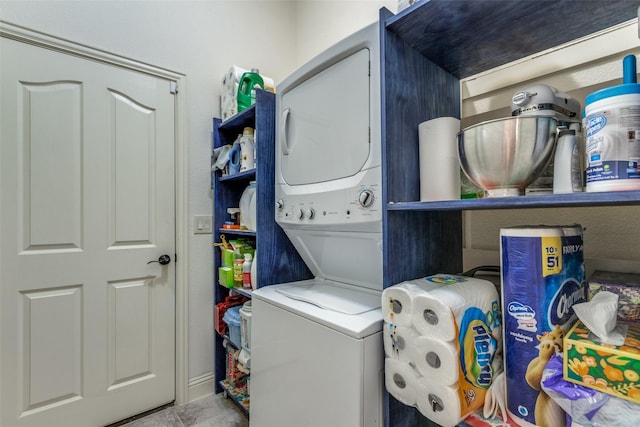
(238, 261)
(247, 88)
(247, 219)
(247, 150)
(235, 156)
(246, 271)
(568, 162)
(612, 138)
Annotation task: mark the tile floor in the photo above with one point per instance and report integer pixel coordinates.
(210, 411)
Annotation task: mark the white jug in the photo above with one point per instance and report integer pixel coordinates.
(247, 150)
(247, 222)
(567, 163)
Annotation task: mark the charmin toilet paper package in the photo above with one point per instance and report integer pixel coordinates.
(445, 375)
(542, 270)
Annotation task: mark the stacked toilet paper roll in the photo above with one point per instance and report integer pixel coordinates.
(229, 96)
(442, 340)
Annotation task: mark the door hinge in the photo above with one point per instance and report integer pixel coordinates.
(173, 88)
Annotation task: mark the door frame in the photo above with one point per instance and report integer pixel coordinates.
(36, 38)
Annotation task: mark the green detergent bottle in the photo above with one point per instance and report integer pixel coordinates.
(247, 88)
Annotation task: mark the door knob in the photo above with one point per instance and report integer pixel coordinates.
(163, 260)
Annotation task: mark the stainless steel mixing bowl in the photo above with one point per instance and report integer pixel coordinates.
(504, 156)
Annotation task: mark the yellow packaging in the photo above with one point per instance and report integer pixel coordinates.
(611, 369)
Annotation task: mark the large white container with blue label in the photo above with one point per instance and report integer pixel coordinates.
(613, 134)
(542, 270)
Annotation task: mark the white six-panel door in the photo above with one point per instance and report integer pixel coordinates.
(87, 200)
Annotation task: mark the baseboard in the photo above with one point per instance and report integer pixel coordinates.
(201, 386)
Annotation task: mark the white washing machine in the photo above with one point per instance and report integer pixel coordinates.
(316, 364)
(316, 345)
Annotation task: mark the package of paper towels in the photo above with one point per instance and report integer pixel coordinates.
(441, 312)
(542, 270)
(397, 300)
(445, 374)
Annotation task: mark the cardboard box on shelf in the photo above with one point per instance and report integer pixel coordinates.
(625, 285)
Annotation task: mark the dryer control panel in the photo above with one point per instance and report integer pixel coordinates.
(335, 206)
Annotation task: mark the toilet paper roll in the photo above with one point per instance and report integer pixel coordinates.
(435, 359)
(398, 341)
(441, 404)
(397, 300)
(439, 164)
(438, 313)
(401, 381)
(234, 74)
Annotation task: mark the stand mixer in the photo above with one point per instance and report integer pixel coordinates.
(564, 172)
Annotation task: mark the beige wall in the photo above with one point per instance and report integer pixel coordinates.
(322, 23)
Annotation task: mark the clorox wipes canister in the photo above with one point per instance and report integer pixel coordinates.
(613, 134)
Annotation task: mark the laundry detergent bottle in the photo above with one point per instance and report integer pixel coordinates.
(249, 82)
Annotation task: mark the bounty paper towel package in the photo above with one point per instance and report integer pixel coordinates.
(542, 277)
(442, 340)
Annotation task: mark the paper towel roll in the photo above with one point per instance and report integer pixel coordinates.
(438, 313)
(401, 380)
(398, 341)
(441, 404)
(397, 300)
(439, 164)
(435, 359)
(396, 305)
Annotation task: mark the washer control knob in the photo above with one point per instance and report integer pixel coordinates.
(300, 214)
(366, 198)
(310, 213)
(280, 205)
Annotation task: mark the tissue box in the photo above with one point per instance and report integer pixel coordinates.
(625, 285)
(604, 367)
